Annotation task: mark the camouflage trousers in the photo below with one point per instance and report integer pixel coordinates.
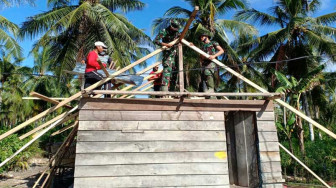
(170, 70)
(208, 77)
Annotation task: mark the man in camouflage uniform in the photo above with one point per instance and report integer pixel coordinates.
(208, 67)
(169, 60)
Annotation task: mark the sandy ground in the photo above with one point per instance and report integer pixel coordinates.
(25, 178)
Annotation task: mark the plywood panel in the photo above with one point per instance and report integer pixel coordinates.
(155, 146)
(152, 125)
(151, 136)
(151, 169)
(100, 115)
(175, 104)
(145, 158)
(152, 181)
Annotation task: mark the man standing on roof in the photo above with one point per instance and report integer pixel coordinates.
(208, 67)
(169, 60)
(91, 75)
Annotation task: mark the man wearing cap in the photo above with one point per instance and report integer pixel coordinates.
(169, 60)
(208, 67)
(91, 75)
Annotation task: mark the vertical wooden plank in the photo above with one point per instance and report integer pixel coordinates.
(231, 147)
(246, 151)
(181, 75)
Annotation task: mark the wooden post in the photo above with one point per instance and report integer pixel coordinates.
(261, 89)
(107, 74)
(302, 164)
(77, 95)
(186, 27)
(181, 75)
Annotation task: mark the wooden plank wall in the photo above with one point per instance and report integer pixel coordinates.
(166, 143)
(150, 149)
(270, 164)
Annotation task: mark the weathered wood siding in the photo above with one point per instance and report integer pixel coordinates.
(270, 164)
(146, 148)
(165, 143)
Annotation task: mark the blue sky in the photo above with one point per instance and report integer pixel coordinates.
(141, 19)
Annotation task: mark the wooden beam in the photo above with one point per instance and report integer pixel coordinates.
(321, 127)
(36, 98)
(47, 99)
(148, 68)
(64, 129)
(32, 140)
(180, 73)
(79, 94)
(101, 105)
(136, 92)
(107, 74)
(63, 117)
(302, 164)
(186, 27)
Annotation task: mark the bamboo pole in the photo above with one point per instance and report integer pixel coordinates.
(302, 164)
(261, 89)
(47, 99)
(33, 140)
(63, 117)
(77, 95)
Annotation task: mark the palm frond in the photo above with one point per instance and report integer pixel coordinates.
(177, 11)
(255, 16)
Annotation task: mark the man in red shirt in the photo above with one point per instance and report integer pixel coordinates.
(91, 75)
(157, 79)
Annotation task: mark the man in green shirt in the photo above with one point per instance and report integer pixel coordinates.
(169, 60)
(208, 67)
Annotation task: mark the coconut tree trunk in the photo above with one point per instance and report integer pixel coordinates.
(306, 107)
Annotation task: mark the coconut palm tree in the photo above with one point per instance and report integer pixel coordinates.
(207, 20)
(70, 29)
(13, 109)
(8, 44)
(297, 29)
